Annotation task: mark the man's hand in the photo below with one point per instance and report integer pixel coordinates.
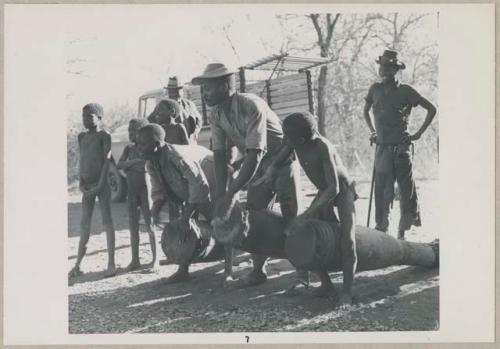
(410, 138)
(373, 138)
(266, 178)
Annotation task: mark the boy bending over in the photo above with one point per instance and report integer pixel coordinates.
(137, 196)
(95, 153)
(324, 169)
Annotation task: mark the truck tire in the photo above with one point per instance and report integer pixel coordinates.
(117, 184)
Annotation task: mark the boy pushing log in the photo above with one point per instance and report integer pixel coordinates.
(182, 174)
(323, 167)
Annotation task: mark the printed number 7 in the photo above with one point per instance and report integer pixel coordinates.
(248, 338)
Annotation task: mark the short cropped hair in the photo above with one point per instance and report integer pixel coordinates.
(302, 124)
(94, 108)
(172, 106)
(138, 122)
(154, 131)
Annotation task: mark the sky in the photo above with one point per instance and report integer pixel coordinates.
(112, 56)
(115, 53)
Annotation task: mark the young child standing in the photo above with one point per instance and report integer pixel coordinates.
(392, 103)
(324, 169)
(166, 112)
(137, 196)
(95, 154)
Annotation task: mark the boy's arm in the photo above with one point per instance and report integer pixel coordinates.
(106, 139)
(157, 194)
(123, 164)
(431, 112)
(277, 160)
(183, 136)
(329, 193)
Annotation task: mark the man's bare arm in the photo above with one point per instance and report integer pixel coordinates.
(431, 112)
(220, 164)
(247, 171)
(368, 119)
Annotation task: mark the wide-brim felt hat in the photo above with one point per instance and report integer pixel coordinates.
(174, 83)
(390, 57)
(212, 70)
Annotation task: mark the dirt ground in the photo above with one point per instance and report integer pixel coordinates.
(397, 298)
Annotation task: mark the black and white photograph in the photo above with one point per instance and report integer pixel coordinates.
(271, 172)
(252, 174)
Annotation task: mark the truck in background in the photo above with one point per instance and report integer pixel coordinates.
(283, 81)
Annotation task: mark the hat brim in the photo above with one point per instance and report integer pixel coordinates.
(198, 80)
(398, 64)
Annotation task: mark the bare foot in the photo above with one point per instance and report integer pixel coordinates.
(152, 266)
(252, 279)
(178, 276)
(75, 272)
(296, 288)
(345, 301)
(111, 271)
(230, 281)
(134, 265)
(325, 291)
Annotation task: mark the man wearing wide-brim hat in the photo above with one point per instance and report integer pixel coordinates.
(245, 120)
(189, 114)
(392, 103)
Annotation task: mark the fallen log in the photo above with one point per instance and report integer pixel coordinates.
(313, 244)
(309, 244)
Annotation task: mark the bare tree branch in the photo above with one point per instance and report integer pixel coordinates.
(410, 22)
(228, 38)
(331, 27)
(314, 18)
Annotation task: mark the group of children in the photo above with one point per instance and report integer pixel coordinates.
(95, 157)
(391, 103)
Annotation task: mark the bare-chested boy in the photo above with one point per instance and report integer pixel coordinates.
(95, 154)
(166, 112)
(335, 188)
(137, 195)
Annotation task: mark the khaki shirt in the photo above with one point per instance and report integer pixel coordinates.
(181, 168)
(251, 124)
(391, 110)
